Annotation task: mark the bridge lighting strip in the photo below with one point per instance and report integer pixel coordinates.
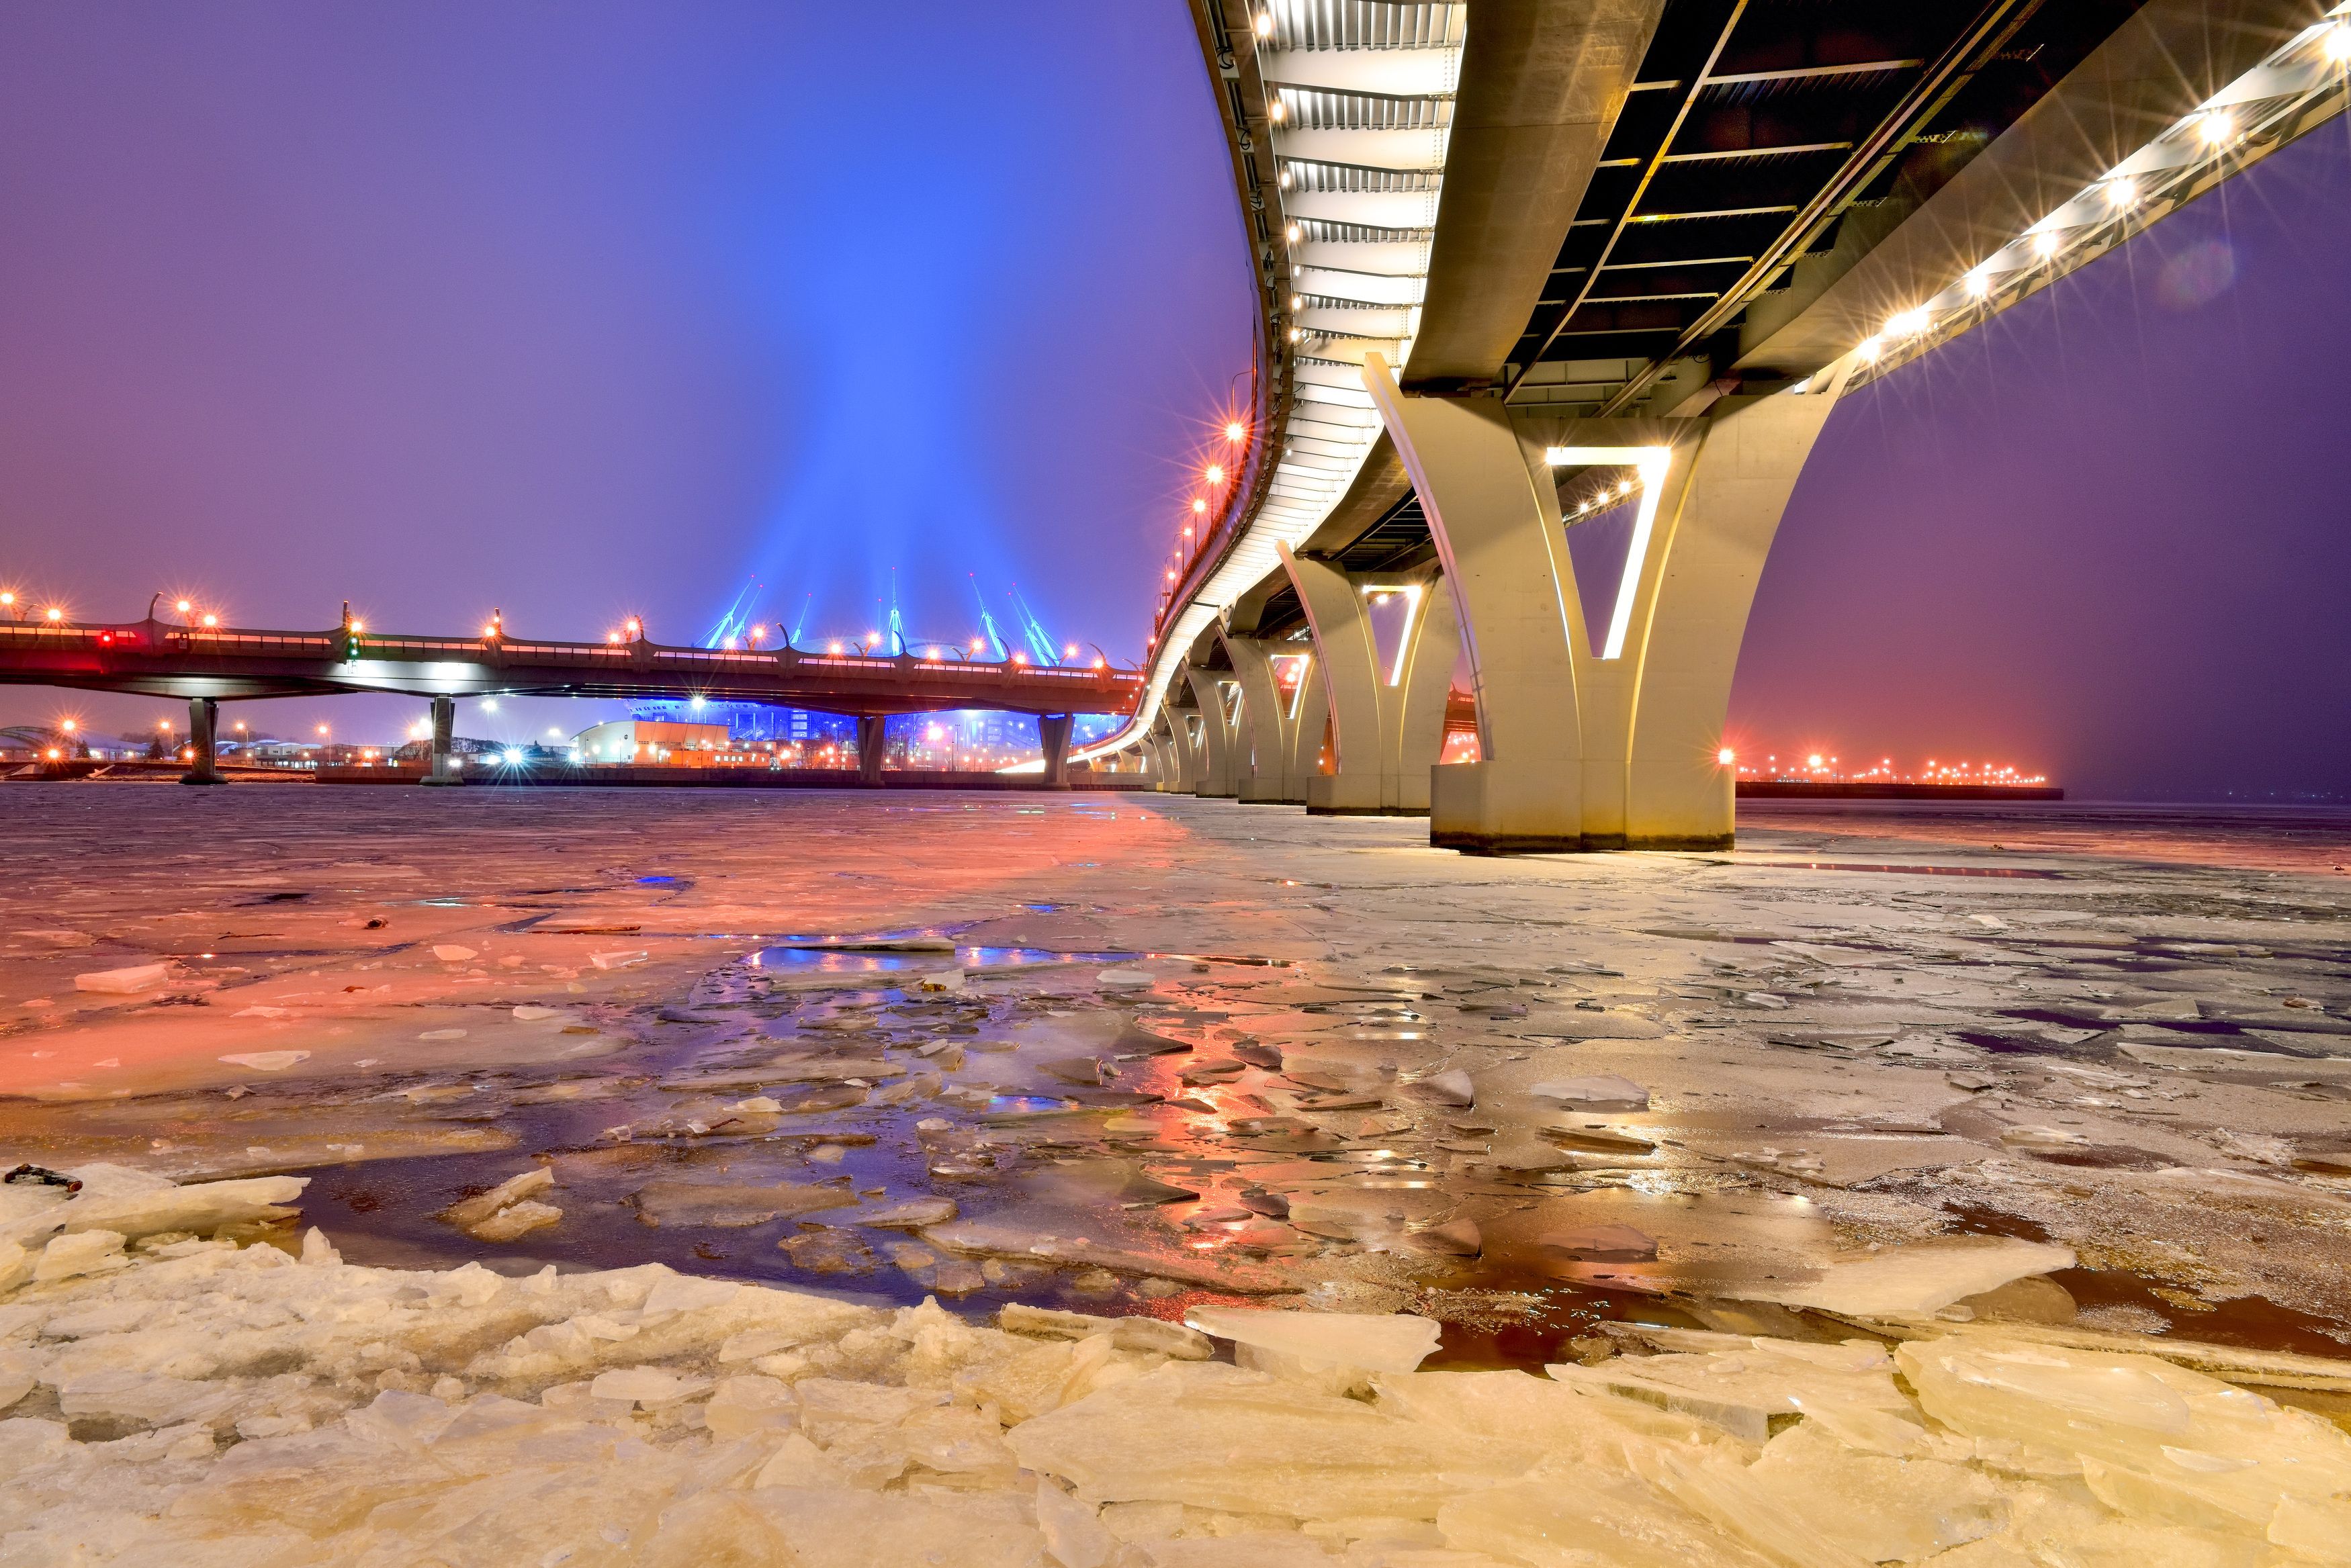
(2267, 107)
(1651, 464)
(1333, 424)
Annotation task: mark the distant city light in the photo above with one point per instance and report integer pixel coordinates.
(1216, 474)
(1235, 430)
(56, 613)
(512, 759)
(489, 705)
(68, 726)
(212, 620)
(1726, 756)
(183, 606)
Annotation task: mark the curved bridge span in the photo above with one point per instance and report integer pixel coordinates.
(1527, 266)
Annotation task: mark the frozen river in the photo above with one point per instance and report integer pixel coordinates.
(2082, 1071)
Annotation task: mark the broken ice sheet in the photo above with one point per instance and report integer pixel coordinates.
(1921, 1278)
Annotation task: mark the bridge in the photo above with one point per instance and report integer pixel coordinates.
(209, 664)
(1556, 286)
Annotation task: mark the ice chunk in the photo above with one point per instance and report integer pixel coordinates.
(513, 1189)
(1125, 980)
(268, 1061)
(1599, 1244)
(2311, 1528)
(146, 1398)
(1601, 1518)
(138, 1204)
(1922, 1278)
(124, 982)
(450, 952)
(1606, 1092)
(1073, 1533)
(317, 1250)
(747, 1405)
(1204, 1434)
(1148, 1334)
(718, 1204)
(1371, 1342)
(83, 1252)
(688, 1292)
(622, 959)
(1752, 1391)
(531, 1013)
(911, 1215)
(646, 1385)
(1877, 1508)
(516, 1220)
(1450, 1088)
(843, 1528)
(2157, 1441)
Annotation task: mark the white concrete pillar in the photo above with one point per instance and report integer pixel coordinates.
(1691, 616)
(1220, 769)
(1183, 736)
(1310, 717)
(1496, 527)
(1582, 750)
(1387, 715)
(1349, 661)
(1264, 735)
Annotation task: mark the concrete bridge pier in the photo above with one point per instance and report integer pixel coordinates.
(1386, 714)
(1053, 735)
(1187, 764)
(443, 768)
(203, 733)
(1263, 737)
(1220, 746)
(872, 735)
(1619, 747)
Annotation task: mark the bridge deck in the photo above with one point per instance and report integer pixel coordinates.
(160, 660)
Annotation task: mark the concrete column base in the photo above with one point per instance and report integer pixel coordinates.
(1479, 808)
(1345, 794)
(1266, 792)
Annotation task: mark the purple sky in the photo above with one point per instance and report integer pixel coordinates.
(2107, 535)
(582, 310)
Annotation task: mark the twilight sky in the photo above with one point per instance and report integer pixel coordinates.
(588, 309)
